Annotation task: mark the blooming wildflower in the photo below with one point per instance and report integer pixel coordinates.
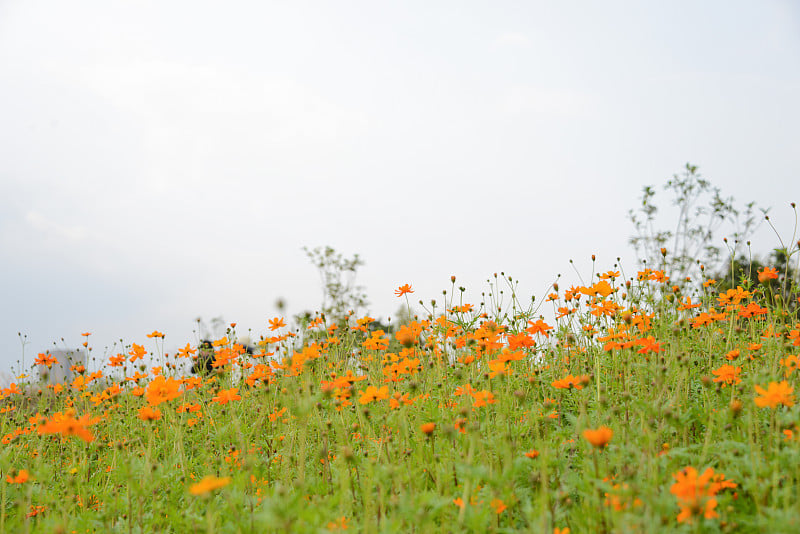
(146, 413)
(407, 336)
(427, 428)
(190, 408)
(482, 398)
(137, 352)
(498, 506)
(186, 351)
(209, 484)
(376, 341)
(539, 327)
(533, 453)
(276, 323)
(155, 333)
(372, 394)
(340, 524)
(600, 437)
(602, 288)
(727, 374)
(617, 499)
(21, 477)
(687, 304)
(35, 510)
(794, 335)
(398, 400)
(45, 359)
(227, 395)
(557, 530)
(732, 297)
(162, 390)
(776, 393)
(519, 341)
(791, 362)
(769, 273)
(459, 425)
(402, 290)
(117, 361)
(568, 382)
(66, 424)
(648, 344)
(498, 367)
(696, 494)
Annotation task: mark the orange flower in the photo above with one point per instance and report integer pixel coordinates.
(276, 323)
(227, 395)
(402, 290)
(482, 398)
(407, 336)
(190, 408)
(732, 297)
(648, 344)
(209, 484)
(459, 425)
(568, 382)
(20, 478)
(498, 506)
(600, 437)
(466, 389)
(769, 273)
(162, 390)
(66, 425)
(539, 327)
(45, 359)
(533, 453)
(728, 374)
(695, 493)
(776, 393)
(155, 333)
(428, 428)
(564, 530)
(146, 413)
(137, 352)
(186, 351)
(791, 362)
(372, 394)
(498, 367)
(602, 288)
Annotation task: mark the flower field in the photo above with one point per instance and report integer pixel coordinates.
(642, 405)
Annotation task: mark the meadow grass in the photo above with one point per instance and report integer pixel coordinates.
(637, 409)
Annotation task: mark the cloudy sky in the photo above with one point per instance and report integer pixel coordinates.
(165, 160)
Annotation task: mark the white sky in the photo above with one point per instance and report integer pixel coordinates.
(165, 160)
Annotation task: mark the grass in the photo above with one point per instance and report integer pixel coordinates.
(635, 410)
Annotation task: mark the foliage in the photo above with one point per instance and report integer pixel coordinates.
(643, 407)
(743, 271)
(702, 211)
(640, 409)
(341, 295)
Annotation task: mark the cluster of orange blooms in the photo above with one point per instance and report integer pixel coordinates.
(483, 346)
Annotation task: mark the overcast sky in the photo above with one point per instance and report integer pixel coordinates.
(165, 160)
